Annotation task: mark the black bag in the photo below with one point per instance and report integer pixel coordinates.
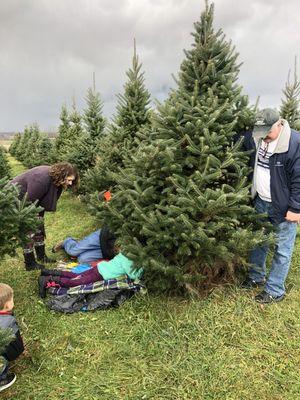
(69, 304)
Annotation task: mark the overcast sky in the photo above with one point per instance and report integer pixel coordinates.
(50, 48)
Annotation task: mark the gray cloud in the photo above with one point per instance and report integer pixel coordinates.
(50, 48)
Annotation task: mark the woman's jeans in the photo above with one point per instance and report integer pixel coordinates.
(285, 239)
(86, 250)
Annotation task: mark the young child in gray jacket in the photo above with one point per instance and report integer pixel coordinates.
(16, 346)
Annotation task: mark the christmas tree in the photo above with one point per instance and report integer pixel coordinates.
(33, 148)
(4, 165)
(181, 210)
(290, 103)
(15, 144)
(30, 155)
(82, 152)
(116, 150)
(6, 336)
(20, 151)
(17, 218)
(62, 141)
(93, 117)
(44, 154)
(81, 149)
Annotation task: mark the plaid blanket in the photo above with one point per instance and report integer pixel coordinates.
(122, 282)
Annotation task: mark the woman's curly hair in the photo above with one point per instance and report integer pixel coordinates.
(60, 171)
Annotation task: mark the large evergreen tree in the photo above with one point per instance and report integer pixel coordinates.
(290, 103)
(17, 218)
(116, 150)
(182, 210)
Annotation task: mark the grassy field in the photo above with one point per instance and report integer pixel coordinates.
(153, 347)
(5, 143)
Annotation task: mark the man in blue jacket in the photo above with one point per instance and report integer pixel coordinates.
(275, 191)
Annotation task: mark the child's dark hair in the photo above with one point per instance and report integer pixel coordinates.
(107, 243)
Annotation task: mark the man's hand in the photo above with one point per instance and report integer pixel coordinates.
(292, 217)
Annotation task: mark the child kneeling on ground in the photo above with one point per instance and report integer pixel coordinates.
(119, 265)
(16, 346)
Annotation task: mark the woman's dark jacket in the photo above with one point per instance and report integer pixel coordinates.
(38, 185)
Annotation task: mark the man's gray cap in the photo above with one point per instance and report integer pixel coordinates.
(264, 120)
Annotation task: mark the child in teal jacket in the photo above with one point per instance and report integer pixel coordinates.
(119, 265)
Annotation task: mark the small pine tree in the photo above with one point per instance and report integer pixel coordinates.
(44, 151)
(80, 149)
(4, 165)
(6, 336)
(23, 144)
(93, 116)
(15, 144)
(181, 211)
(75, 130)
(17, 218)
(290, 103)
(82, 153)
(116, 150)
(30, 157)
(62, 140)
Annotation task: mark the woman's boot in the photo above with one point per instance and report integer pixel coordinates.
(41, 254)
(30, 262)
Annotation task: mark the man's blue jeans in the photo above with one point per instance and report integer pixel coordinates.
(87, 249)
(285, 240)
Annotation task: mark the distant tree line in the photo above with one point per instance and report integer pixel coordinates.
(32, 148)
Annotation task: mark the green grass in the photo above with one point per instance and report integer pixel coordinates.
(5, 143)
(153, 347)
(16, 166)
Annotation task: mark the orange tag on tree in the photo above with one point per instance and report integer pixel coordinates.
(107, 196)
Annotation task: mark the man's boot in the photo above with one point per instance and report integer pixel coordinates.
(30, 262)
(41, 255)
